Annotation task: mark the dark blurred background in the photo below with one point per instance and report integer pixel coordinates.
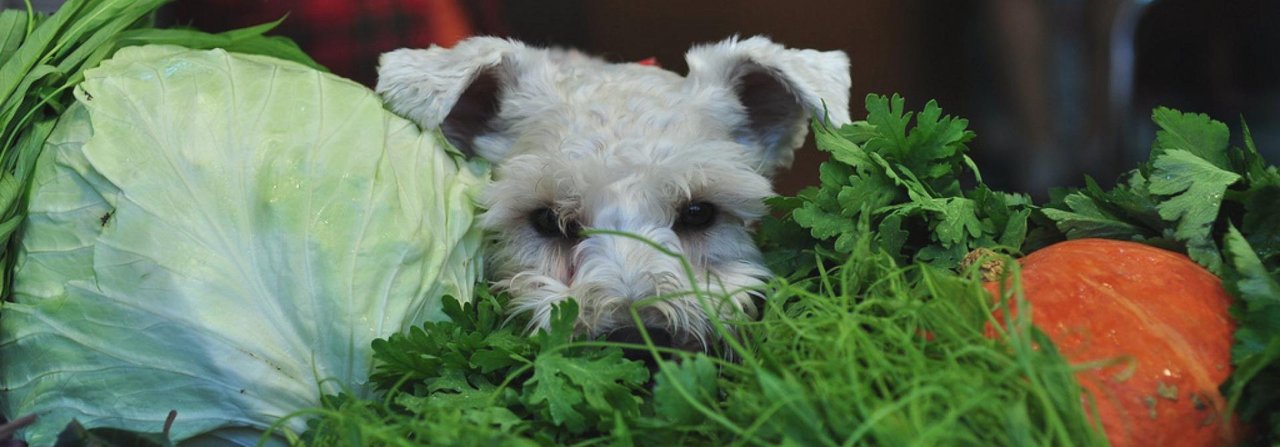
(1055, 89)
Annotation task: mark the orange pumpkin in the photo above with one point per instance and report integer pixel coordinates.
(1154, 321)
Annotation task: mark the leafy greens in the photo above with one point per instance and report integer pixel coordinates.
(903, 180)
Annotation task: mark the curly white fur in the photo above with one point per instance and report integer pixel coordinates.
(623, 147)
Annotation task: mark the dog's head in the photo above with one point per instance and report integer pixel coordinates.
(680, 164)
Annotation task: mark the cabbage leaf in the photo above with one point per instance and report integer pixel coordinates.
(224, 235)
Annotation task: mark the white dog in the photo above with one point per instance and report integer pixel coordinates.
(578, 143)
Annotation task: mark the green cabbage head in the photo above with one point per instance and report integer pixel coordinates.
(224, 235)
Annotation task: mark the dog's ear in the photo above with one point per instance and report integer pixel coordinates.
(456, 89)
(778, 88)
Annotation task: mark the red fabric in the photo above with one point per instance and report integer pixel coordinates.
(347, 36)
(650, 61)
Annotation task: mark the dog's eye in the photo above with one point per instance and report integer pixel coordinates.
(696, 216)
(547, 223)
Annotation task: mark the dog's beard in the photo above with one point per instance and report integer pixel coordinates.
(607, 282)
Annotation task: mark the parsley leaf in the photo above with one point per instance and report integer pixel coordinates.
(1257, 350)
(1085, 218)
(475, 372)
(580, 392)
(1259, 293)
(694, 376)
(1196, 188)
(1195, 133)
(474, 341)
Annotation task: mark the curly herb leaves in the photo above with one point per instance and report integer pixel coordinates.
(1254, 387)
(907, 182)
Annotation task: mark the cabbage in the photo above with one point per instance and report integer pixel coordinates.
(224, 235)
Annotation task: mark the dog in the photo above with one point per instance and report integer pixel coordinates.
(602, 171)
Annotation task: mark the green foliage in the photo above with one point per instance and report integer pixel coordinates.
(1182, 197)
(864, 353)
(1117, 214)
(584, 392)
(474, 346)
(681, 389)
(474, 378)
(870, 353)
(1195, 190)
(907, 183)
(1197, 134)
(1257, 350)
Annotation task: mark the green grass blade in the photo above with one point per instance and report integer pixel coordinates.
(20, 162)
(10, 190)
(17, 114)
(33, 50)
(248, 40)
(23, 160)
(102, 37)
(13, 30)
(99, 14)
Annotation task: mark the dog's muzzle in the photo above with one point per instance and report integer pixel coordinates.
(661, 338)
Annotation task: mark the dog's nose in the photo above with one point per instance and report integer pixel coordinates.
(661, 338)
(631, 334)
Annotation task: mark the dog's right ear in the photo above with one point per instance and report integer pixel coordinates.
(778, 89)
(456, 89)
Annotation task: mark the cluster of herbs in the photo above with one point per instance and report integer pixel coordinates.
(908, 184)
(477, 379)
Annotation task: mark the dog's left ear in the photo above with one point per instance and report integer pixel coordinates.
(778, 88)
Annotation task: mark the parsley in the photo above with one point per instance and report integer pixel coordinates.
(581, 392)
(906, 182)
(474, 377)
(1194, 189)
(1254, 387)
